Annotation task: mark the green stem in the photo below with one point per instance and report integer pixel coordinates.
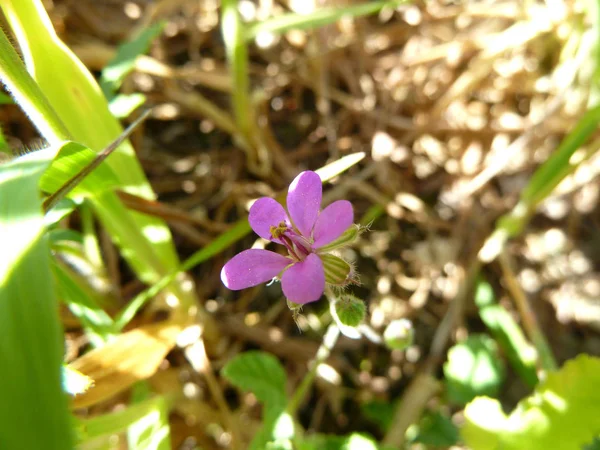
(323, 353)
(530, 323)
(237, 55)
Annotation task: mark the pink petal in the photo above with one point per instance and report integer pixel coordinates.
(265, 213)
(304, 282)
(332, 222)
(252, 267)
(304, 201)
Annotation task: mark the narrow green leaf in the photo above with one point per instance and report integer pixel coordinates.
(122, 105)
(316, 19)
(507, 333)
(61, 210)
(64, 235)
(152, 430)
(77, 169)
(124, 61)
(542, 183)
(562, 413)
(98, 325)
(237, 56)
(154, 410)
(83, 109)
(558, 166)
(28, 95)
(30, 334)
(473, 368)
(71, 160)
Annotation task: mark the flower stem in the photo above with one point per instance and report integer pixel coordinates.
(530, 323)
(329, 340)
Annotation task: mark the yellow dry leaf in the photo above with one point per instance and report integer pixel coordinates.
(133, 356)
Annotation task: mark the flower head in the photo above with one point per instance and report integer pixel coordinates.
(306, 232)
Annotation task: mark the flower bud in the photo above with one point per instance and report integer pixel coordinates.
(349, 310)
(347, 238)
(399, 334)
(337, 271)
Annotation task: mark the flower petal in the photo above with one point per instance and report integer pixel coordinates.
(304, 201)
(304, 282)
(265, 213)
(332, 222)
(252, 267)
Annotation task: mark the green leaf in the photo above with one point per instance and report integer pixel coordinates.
(71, 160)
(31, 346)
(542, 183)
(153, 411)
(355, 441)
(61, 210)
(260, 373)
(123, 105)
(98, 325)
(145, 241)
(379, 412)
(508, 334)
(437, 430)
(559, 165)
(27, 93)
(124, 61)
(233, 31)
(318, 18)
(562, 413)
(473, 368)
(66, 235)
(151, 431)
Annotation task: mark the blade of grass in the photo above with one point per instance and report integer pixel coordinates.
(556, 168)
(97, 324)
(145, 242)
(233, 31)
(507, 333)
(316, 19)
(31, 345)
(124, 61)
(76, 172)
(28, 94)
(155, 409)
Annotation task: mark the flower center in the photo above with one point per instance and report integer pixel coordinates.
(297, 245)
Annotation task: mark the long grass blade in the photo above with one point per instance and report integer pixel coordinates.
(316, 19)
(31, 347)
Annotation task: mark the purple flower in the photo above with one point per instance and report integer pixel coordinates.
(305, 232)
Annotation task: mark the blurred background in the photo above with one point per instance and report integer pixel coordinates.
(491, 254)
